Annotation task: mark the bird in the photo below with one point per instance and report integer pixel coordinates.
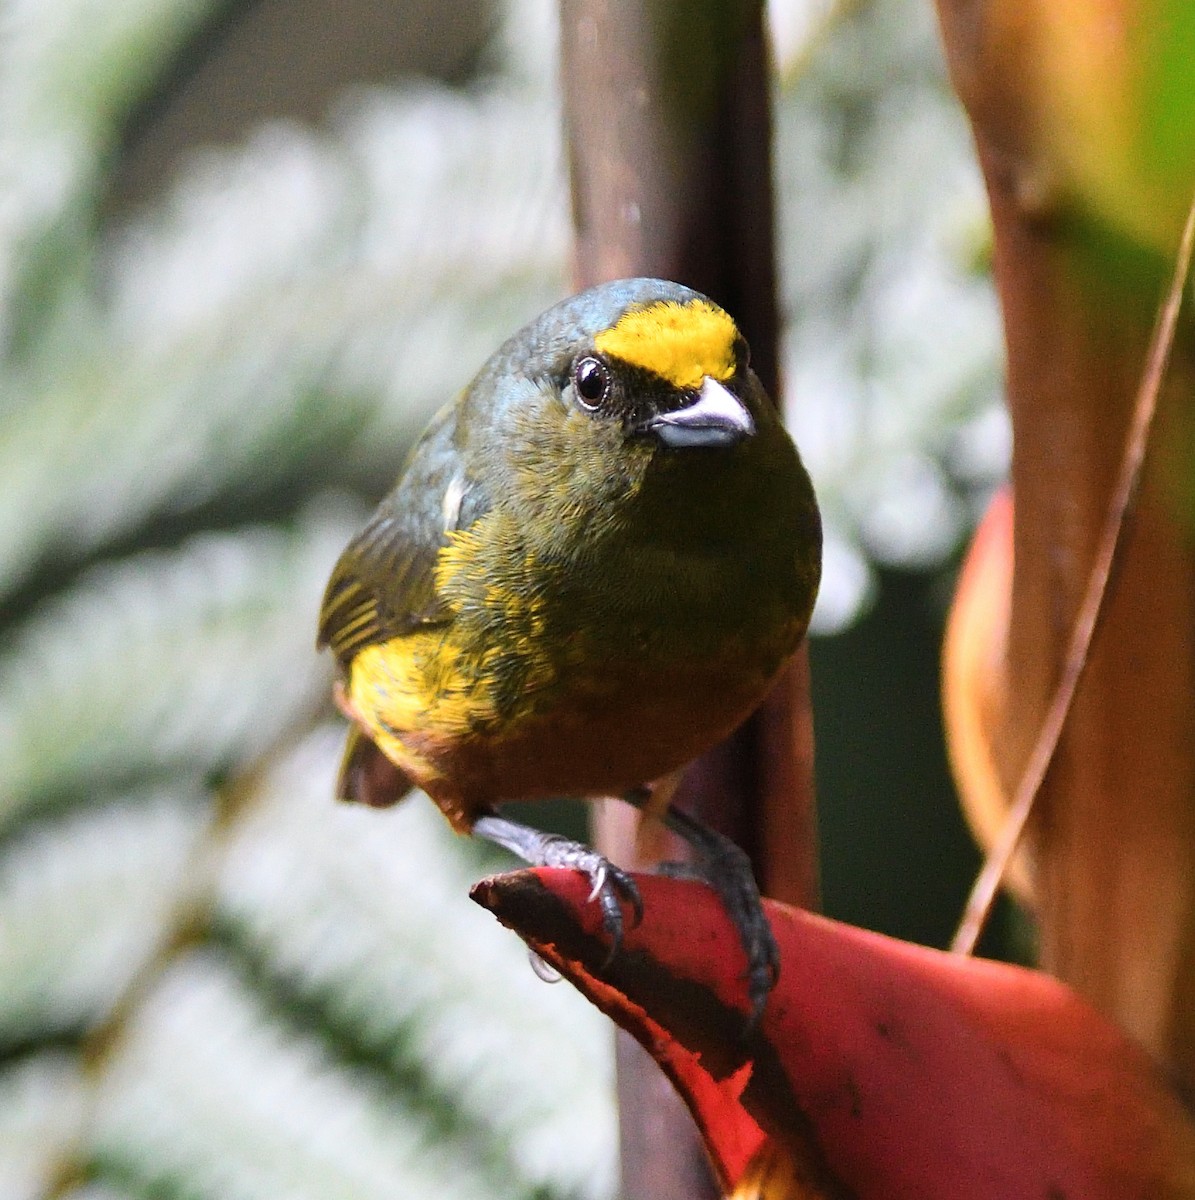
(592, 568)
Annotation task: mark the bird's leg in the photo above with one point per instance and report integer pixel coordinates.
(727, 869)
(550, 850)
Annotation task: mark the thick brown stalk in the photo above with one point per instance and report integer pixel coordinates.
(1114, 834)
(669, 128)
(1112, 536)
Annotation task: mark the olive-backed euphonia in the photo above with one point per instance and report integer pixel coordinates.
(594, 564)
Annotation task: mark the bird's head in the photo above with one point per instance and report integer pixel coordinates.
(625, 380)
(670, 367)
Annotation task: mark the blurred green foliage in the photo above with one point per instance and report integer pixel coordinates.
(213, 981)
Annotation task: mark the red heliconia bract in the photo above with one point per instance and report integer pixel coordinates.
(879, 1070)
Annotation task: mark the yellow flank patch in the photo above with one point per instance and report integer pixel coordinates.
(416, 682)
(682, 343)
(460, 557)
(446, 680)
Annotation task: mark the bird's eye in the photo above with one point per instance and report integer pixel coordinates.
(591, 381)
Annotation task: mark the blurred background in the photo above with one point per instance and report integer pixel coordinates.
(246, 248)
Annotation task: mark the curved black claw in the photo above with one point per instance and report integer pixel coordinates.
(609, 883)
(727, 869)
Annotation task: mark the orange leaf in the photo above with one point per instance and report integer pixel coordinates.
(973, 683)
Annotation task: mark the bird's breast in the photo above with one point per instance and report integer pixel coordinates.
(560, 675)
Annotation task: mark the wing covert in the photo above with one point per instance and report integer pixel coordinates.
(384, 584)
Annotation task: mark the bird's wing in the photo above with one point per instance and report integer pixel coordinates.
(384, 583)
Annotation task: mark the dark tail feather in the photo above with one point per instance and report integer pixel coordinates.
(367, 776)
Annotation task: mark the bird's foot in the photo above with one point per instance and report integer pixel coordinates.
(726, 868)
(610, 883)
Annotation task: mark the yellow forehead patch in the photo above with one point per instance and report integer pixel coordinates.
(680, 342)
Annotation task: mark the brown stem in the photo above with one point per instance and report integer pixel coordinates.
(669, 129)
(1111, 541)
(1114, 824)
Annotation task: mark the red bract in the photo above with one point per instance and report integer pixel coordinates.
(879, 1070)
